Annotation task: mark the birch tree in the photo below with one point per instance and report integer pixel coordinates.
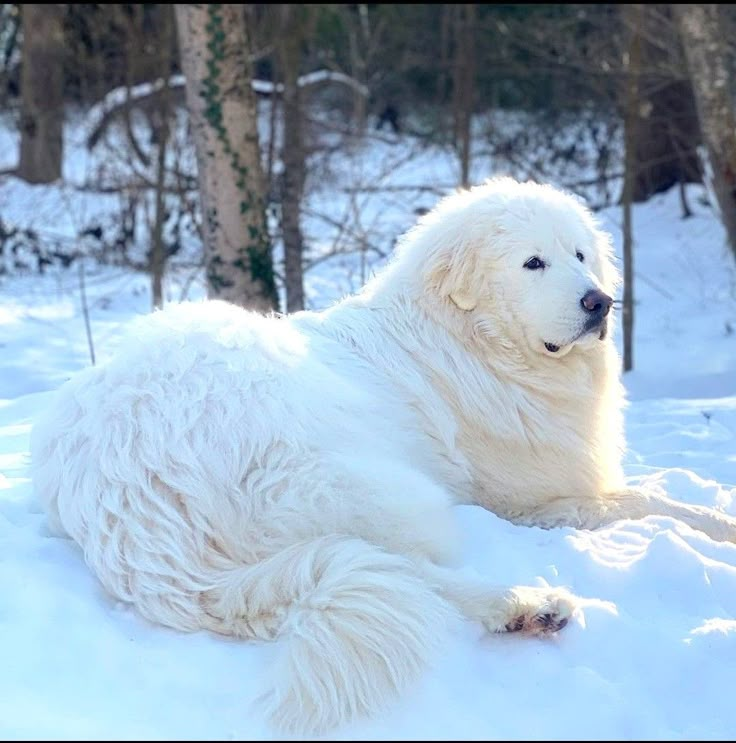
(215, 54)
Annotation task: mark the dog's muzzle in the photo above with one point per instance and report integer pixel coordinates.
(596, 325)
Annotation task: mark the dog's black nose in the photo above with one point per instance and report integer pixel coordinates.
(596, 302)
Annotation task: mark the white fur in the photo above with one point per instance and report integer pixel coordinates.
(293, 477)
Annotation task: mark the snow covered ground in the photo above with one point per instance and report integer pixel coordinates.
(650, 656)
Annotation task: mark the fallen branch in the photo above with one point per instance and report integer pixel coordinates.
(123, 99)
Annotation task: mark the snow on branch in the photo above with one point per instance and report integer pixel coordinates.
(122, 99)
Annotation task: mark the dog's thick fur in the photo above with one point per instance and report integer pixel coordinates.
(292, 477)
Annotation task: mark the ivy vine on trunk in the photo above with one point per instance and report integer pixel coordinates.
(214, 47)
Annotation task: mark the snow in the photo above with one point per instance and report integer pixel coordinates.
(649, 656)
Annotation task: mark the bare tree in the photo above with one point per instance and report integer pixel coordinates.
(42, 88)
(358, 36)
(705, 50)
(366, 27)
(293, 18)
(632, 64)
(215, 48)
(463, 85)
(160, 119)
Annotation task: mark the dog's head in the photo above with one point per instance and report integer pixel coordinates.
(523, 262)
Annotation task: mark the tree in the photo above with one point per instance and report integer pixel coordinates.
(215, 47)
(633, 15)
(668, 133)
(463, 85)
(42, 90)
(705, 50)
(667, 139)
(161, 124)
(293, 19)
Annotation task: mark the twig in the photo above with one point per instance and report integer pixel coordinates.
(85, 312)
(184, 295)
(435, 190)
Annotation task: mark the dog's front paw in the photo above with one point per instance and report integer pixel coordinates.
(539, 611)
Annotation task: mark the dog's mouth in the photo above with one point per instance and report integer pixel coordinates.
(601, 328)
(598, 327)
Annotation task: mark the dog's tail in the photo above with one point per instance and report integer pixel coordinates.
(357, 624)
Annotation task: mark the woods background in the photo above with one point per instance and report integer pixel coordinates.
(212, 124)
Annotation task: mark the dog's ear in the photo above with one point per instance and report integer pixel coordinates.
(463, 301)
(452, 272)
(450, 250)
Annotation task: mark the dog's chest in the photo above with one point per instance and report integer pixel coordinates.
(548, 454)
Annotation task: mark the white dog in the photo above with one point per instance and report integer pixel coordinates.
(293, 477)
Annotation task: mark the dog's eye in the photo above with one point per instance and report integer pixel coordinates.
(534, 263)
(580, 256)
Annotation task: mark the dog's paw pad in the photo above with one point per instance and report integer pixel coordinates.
(550, 622)
(516, 624)
(552, 616)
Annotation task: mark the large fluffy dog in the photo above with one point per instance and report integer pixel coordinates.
(293, 477)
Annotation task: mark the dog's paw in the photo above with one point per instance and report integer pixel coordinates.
(539, 611)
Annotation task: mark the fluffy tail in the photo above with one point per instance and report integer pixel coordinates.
(358, 626)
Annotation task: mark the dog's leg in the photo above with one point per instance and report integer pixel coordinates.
(529, 609)
(630, 503)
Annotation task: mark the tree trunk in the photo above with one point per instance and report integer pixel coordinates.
(157, 261)
(357, 30)
(215, 49)
(446, 13)
(702, 39)
(631, 122)
(667, 140)
(464, 85)
(292, 156)
(42, 89)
